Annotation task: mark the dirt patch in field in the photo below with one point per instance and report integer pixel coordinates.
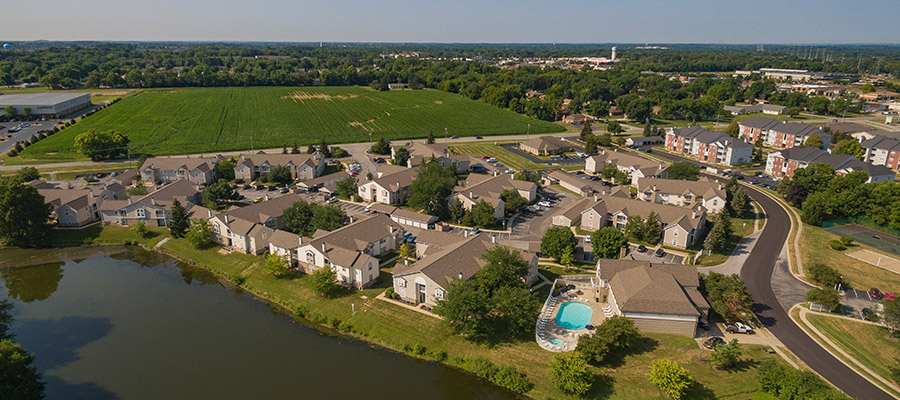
(363, 124)
(438, 102)
(175, 91)
(300, 96)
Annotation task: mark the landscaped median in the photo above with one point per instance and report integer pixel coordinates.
(865, 347)
(360, 314)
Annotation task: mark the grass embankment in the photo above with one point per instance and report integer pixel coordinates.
(507, 158)
(860, 275)
(398, 328)
(69, 173)
(194, 120)
(869, 344)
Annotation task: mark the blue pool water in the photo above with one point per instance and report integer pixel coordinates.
(574, 315)
(557, 342)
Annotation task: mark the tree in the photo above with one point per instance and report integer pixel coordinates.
(890, 316)
(727, 296)
(613, 336)
(824, 275)
(407, 250)
(733, 129)
(19, 378)
(673, 379)
(431, 188)
(684, 170)
(401, 157)
(513, 201)
(793, 112)
(324, 149)
(586, 130)
(11, 112)
(604, 139)
(178, 223)
(199, 235)
(225, 169)
(276, 264)
(295, 149)
(280, 174)
(867, 88)
(323, 281)
(217, 194)
(815, 209)
(590, 144)
(28, 174)
(298, 217)
(23, 213)
(305, 218)
(346, 187)
(814, 141)
(652, 229)
(639, 109)
(430, 139)
(568, 257)
(101, 145)
(140, 228)
(635, 228)
(556, 240)
(849, 146)
(608, 242)
(569, 372)
(381, 146)
(648, 129)
(716, 238)
(726, 355)
(614, 127)
(739, 202)
(483, 214)
(827, 297)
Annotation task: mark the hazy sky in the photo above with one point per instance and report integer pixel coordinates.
(572, 21)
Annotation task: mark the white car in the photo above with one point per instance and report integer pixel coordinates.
(544, 204)
(491, 160)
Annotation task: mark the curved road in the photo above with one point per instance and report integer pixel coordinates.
(757, 273)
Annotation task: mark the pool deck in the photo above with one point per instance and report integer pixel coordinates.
(547, 329)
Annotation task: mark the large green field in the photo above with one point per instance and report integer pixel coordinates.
(196, 120)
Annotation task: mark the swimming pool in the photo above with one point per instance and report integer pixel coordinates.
(574, 315)
(557, 342)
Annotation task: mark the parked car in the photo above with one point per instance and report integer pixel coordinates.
(890, 296)
(246, 187)
(659, 253)
(368, 208)
(260, 187)
(738, 327)
(875, 294)
(544, 203)
(478, 137)
(258, 199)
(641, 249)
(272, 188)
(712, 342)
(454, 137)
(491, 160)
(485, 157)
(379, 160)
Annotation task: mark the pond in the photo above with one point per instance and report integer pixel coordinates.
(114, 322)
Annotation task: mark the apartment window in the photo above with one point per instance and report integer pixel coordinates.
(715, 202)
(439, 293)
(675, 233)
(590, 216)
(310, 257)
(401, 282)
(215, 228)
(141, 213)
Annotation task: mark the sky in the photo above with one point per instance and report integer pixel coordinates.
(465, 21)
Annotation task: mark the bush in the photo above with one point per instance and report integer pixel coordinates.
(846, 240)
(837, 245)
(788, 383)
(504, 376)
(824, 275)
(569, 372)
(673, 379)
(419, 349)
(829, 298)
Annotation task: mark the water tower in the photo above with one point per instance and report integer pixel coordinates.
(613, 56)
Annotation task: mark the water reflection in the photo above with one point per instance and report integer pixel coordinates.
(33, 283)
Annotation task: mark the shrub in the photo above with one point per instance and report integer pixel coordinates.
(569, 372)
(389, 293)
(788, 383)
(824, 275)
(511, 379)
(419, 349)
(439, 355)
(846, 240)
(726, 355)
(673, 379)
(505, 376)
(829, 298)
(837, 245)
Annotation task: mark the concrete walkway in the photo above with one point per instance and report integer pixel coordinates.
(736, 260)
(840, 354)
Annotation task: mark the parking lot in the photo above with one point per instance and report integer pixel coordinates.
(648, 255)
(9, 140)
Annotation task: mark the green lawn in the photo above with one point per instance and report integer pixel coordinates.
(69, 173)
(861, 275)
(741, 227)
(510, 160)
(869, 344)
(194, 120)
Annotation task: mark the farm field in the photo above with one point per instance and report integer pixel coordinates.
(197, 120)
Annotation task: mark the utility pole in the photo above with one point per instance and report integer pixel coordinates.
(251, 143)
(528, 133)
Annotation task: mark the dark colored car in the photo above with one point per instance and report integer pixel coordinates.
(876, 294)
(641, 249)
(712, 342)
(478, 137)
(246, 187)
(659, 253)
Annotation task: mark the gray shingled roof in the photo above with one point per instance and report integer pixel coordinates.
(647, 290)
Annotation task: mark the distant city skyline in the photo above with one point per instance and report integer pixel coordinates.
(461, 21)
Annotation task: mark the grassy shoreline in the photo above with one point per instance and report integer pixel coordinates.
(358, 314)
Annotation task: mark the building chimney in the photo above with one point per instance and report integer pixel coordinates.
(198, 187)
(595, 196)
(351, 219)
(226, 218)
(153, 201)
(460, 275)
(693, 214)
(129, 201)
(300, 240)
(323, 247)
(466, 233)
(398, 185)
(391, 228)
(209, 213)
(471, 195)
(405, 261)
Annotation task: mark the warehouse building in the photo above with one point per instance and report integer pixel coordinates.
(47, 104)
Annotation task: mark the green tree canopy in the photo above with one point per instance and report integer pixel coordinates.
(429, 191)
(217, 194)
(23, 213)
(483, 214)
(323, 281)
(19, 378)
(614, 127)
(849, 146)
(727, 296)
(556, 240)
(178, 223)
(827, 297)
(401, 157)
(346, 187)
(199, 235)
(613, 336)
(608, 242)
(101, 145)
(683, 170)
(28, 174)
(673, 379)
(726, 355)
(381, 146)
(569, 372)
(305, 218)
(513, 201)
(814, 141)
(276, 264)
(280, 174)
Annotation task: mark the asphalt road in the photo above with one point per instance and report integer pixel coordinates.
(757, 273)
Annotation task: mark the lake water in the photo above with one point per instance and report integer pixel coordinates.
(109, 322)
